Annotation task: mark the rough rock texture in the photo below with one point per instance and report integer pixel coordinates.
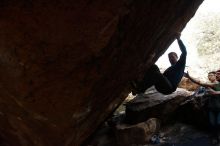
(154, 104)
(171, 109)
(195, 111)
(139, 134)
(65, 65)
(188, 84)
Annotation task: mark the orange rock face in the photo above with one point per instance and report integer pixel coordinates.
(65, 65)
(187, 84)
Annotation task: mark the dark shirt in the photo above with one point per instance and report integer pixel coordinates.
(175, 72)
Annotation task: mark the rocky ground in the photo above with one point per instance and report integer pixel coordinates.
(116, 132)
(177, 134)
(180, 134)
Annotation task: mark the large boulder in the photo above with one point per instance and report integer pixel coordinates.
(65, 64)
(154, 104)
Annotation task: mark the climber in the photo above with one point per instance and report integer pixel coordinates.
(167, 82)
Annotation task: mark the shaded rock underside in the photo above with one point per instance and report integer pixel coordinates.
(65, 65)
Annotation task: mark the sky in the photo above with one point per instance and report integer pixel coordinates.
(192, 58)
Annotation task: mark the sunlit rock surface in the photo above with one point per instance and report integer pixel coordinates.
(65, 65)
(188, 84)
